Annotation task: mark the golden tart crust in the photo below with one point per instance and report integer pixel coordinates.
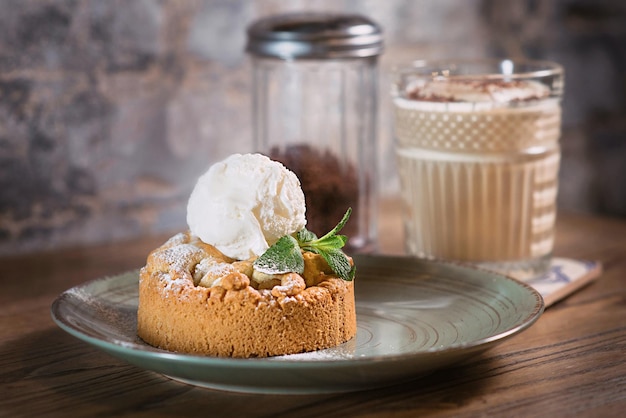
(236, 317)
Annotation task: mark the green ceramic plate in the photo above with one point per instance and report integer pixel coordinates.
(413, 317)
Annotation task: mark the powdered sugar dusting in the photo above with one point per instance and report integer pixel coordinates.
(336, 353)
(179, 256)
(180, 238)
(177, 283)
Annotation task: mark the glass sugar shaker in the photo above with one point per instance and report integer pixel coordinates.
(315, 84)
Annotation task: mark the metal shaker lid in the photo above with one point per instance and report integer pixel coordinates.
(315, 36)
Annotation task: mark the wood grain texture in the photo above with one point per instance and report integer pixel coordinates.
(570, 363)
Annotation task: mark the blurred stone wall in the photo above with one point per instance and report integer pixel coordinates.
(110, 110)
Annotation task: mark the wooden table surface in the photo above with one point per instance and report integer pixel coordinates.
(571, 362)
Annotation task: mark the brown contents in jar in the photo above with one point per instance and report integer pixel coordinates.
(330, 187)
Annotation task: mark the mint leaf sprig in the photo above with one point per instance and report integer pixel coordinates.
(285, 256)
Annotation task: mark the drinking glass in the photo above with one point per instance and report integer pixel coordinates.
(478, 155)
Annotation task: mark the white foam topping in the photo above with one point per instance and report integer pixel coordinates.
(449, 89)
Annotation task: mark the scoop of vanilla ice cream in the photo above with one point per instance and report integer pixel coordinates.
(244, 204)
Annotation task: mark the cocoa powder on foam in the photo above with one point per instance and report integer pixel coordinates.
(480, 86)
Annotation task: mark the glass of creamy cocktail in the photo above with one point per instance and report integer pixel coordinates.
(478, 156)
